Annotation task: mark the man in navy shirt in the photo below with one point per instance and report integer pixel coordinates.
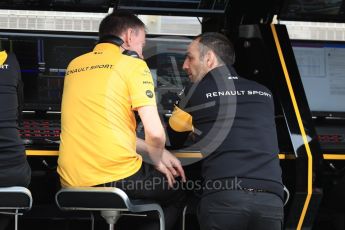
(232, 121)
(14, 168)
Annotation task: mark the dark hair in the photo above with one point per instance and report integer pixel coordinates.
(118, 22)
(219, 44)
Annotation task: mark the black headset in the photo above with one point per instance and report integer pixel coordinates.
(118, 41)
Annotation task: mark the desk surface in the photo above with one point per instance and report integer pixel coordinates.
(186, 154)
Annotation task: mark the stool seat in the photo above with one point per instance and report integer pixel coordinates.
(13, 199)
(110, 201)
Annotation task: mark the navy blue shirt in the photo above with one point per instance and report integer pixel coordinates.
(234, 126)
(14, 169)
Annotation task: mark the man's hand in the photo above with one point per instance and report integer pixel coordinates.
(173, 164)
(171, 167)
(163, 169)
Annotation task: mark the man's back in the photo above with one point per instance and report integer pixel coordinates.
(14, 169)
(9, 82)
(233, 122)
(98, 124)
(246, 112)
(235, 129)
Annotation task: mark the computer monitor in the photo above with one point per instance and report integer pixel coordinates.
(322, 69)
(58, 5)
(173, 7)
(43, 59)
(164, 56)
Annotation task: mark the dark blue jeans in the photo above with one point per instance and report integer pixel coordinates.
(241, 210)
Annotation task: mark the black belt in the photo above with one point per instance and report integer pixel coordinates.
(246, 186)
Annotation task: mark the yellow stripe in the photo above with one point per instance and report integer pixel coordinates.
(327, 156)
(56, 153)
(42, 152)
(177, 154)
(301, 127)
(188, 155)
(283, 156)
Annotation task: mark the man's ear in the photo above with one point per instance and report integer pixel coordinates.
(127, 36)
(211, 59)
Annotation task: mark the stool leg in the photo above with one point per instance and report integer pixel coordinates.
(111, 217)
(161, 221)
(92, 221)
(184, 218)
(16, 220)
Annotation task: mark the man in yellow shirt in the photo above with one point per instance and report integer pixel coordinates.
(102, 89)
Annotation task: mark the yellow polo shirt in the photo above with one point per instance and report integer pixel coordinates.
(98, 139)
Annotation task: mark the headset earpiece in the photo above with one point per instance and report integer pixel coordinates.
(118, 41)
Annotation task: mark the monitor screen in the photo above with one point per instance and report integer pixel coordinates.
(165, 56)
(322, 69)
(313, 10)
(43, 60)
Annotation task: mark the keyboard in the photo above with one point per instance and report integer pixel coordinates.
(40, 134)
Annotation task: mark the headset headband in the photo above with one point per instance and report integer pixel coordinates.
(111, 39)
(118, 41)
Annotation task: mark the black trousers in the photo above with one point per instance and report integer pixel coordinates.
(150, 184)
(16, 175)
(241, 210)
(4, 221)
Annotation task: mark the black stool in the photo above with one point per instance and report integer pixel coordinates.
(111, 202)
(13, 199)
